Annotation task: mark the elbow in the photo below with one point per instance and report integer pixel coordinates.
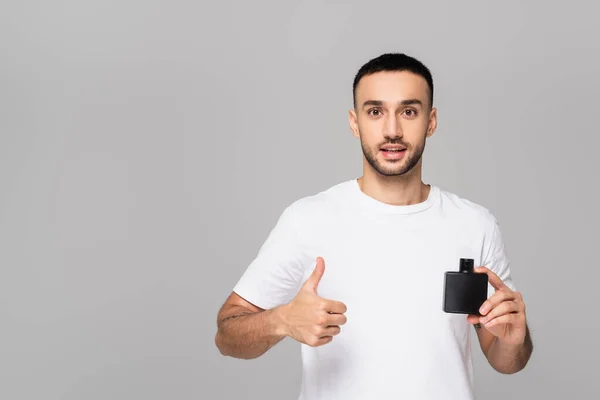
(219, 344)
(224, 349)
(228, 351)
(509, 369)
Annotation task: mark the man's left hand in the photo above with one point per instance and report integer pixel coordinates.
(503, 313)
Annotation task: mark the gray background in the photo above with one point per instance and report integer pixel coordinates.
(147, 148)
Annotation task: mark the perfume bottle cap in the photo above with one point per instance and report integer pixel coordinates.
(466, 265)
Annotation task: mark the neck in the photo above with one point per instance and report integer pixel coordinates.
(401, 190)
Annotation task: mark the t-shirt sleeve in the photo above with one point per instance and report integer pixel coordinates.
(495, 256)
(277, 272)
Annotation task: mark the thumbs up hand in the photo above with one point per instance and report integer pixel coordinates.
(311, 319)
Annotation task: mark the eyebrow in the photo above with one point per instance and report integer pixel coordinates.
(406, 102)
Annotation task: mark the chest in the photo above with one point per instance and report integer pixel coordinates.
(393, 267)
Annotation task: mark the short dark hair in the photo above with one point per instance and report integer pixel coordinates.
(394, 62)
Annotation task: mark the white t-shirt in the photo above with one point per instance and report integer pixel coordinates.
(387, 264)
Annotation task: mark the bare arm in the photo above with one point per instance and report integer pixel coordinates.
(503, 357)
(503, 331)
(246, 331)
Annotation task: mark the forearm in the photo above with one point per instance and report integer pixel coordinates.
(509, 359)
(249, 335)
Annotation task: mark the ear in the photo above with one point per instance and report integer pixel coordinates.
(432, 122)
(352, 119)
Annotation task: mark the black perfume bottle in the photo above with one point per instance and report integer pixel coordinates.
(465, 290)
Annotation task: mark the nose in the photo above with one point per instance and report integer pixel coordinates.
(393, 129)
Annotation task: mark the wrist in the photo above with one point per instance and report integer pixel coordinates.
(279, 320)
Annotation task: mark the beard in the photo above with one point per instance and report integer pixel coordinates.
(393, 167)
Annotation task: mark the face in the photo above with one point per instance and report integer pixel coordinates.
(392, 118)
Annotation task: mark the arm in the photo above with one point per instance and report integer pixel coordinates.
(503, 357)
(503, 332)
(246, 331)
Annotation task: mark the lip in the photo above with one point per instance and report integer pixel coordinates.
(392, 147)
(393, 155)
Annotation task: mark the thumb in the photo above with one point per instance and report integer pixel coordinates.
(313, 280)
(472, 319)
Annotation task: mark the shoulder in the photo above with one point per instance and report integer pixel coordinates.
(316, 206)
(466, 210)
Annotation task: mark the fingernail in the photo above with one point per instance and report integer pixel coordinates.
(483, 309)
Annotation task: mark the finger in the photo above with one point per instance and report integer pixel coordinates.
(473, 319)
(503, 319)
(503, 308)
(496, 299)
(336, 319)
(335, 307)
(317, 341)
(519, 300)
(331, 331)
(313, 280)
(493, 279)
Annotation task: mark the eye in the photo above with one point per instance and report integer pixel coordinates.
(374, 112)
(412, 113)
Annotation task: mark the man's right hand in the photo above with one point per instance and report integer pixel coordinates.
(311, 319)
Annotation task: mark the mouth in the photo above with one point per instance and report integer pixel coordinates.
(393, 153)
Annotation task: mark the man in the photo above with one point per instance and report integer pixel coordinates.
(355, 273)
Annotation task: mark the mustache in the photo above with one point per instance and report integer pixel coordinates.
(400, 142)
